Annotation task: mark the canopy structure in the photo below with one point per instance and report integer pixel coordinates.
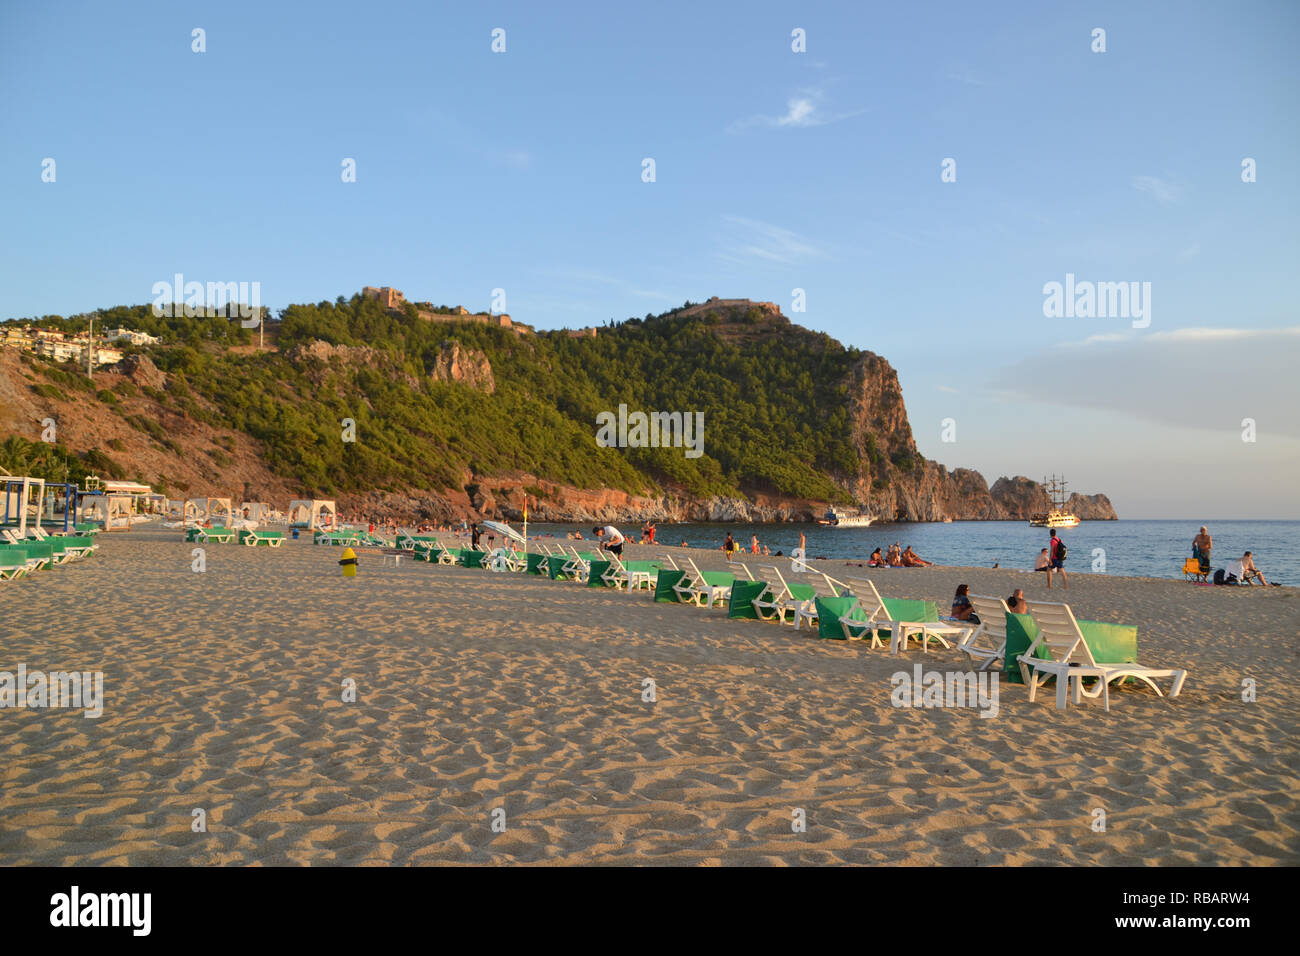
(18, 501)
(312, 513)
(61, 501)
(213, 510)
(256, 511)
(178, 509)
(114, 512)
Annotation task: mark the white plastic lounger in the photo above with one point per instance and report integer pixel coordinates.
(1071, 661)
(986, 645)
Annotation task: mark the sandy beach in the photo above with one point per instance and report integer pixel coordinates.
(479, 691)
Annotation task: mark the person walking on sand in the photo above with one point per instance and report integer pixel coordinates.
(1056, 551)
(1201, 546)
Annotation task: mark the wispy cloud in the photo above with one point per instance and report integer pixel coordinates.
(1160, 190)
(748, 241)
(1162, 376)
(802, 110)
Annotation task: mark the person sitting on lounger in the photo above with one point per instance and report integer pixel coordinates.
(913, 560)
(961, 606)
(610, 538)
(1248, 570)
(1017, 604)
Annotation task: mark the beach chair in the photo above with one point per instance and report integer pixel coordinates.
(1070, 660)
(77, 547)
(1192, 571)
(906, 620)
(703, 587)
(577, 566)
(844, 618)
(504, 560)
(782, 598)
(986, 645)
(13, 562)
(252, 539)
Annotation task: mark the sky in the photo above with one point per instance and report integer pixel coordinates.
(775, 170)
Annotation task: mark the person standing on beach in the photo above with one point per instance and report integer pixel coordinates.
(729, 546)
(1201, 546)
(611, 539)
(1056, 552)
(753, 544)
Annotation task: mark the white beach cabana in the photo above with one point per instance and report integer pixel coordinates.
(210, 509)
(113, 511)
(256, 511)
(312, 513)
(18, 489)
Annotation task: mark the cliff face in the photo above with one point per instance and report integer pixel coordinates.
(899, 485)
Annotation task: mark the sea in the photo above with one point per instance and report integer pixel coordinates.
(1129, 548)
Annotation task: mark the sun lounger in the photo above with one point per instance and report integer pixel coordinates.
(843, 618)
(269, 539)
(986, 644)
(13, 562)
(906, 620)
(1060, 651)
(504, 560)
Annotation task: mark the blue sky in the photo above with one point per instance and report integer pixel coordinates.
(775, 170)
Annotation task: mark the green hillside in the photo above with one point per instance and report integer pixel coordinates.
(773, 397)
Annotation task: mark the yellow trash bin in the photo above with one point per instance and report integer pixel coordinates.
(349, 563)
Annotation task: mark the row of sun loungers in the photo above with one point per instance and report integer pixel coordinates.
(1052, 644)
(21, 556)
(245, 536)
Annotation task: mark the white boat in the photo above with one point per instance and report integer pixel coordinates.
(1056, 516)
(837, 519)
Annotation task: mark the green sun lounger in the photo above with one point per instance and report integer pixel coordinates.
(13, 562)
(253, 539)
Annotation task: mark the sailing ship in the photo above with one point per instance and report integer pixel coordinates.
(1056, 516)
(838, 519)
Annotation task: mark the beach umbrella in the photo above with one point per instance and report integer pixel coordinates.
(502, 529)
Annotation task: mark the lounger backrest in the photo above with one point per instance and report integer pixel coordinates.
(992, 612)
(1058, 634)
(869, 599)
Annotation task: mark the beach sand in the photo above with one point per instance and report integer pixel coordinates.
(480, 691)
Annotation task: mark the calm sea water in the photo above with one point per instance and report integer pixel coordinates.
(1146, 548)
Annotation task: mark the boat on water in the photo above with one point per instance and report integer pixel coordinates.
(838, 519)
(1057, 516)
